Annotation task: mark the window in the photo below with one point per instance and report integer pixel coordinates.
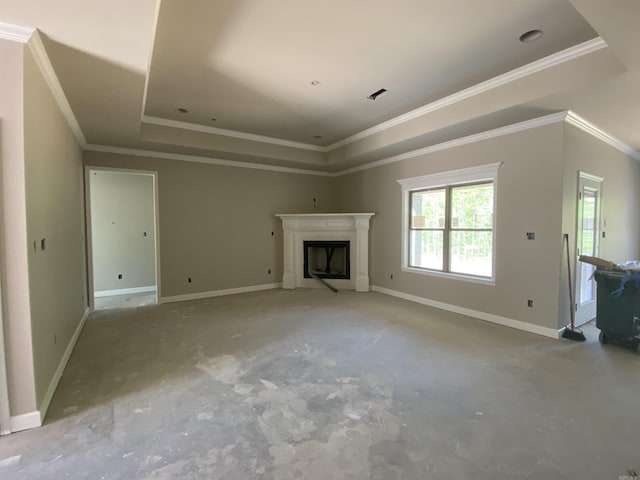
(448, 226)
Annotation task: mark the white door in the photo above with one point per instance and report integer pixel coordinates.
(588, 243)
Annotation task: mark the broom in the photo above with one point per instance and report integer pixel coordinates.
(571, 332)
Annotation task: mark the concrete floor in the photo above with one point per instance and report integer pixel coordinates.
(125, 301)
(311, 385)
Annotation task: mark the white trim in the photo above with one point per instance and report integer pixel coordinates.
(585, 312)
(452, 177)
(53, 384)
(15, 33)
(124, 291)
(219, 293)
(42, 60)
(557, 58)
(212, 161)
(588, 176)
(568, 116)
(165, 122)
(488, 317)
(323, 215)
(588, 127)
(26, 421)
(476, 137)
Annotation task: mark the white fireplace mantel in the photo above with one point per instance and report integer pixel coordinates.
(353, 227)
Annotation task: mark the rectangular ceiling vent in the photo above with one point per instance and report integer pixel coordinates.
(375, 95)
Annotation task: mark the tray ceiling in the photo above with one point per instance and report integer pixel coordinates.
(245, 71)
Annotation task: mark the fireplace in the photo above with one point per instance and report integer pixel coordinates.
(315, 241)
(327, 259)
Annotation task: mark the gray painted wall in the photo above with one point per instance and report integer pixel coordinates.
(216, 222)
(54, 196)
(122, 212)
(620, 201)
(15, 271)
(529, 196)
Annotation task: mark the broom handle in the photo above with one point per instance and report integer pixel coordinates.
(571, 306)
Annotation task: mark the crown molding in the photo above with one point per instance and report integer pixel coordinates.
(42, 60)
(194, 158)
(165, 122)
(477, 137)
(564, 116)
(588, 127)
(508, 77)
(553, 60)
(15, 33)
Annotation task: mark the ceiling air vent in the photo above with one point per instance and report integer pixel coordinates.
(375, 95)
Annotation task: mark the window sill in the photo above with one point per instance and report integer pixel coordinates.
(452, 276)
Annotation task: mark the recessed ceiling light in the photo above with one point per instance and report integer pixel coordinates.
(375, 95)
(183, 110)
(315, 83)
(531, 36)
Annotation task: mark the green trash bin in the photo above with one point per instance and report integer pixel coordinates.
(618, 318)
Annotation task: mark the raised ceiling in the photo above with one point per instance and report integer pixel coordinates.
(449, 67)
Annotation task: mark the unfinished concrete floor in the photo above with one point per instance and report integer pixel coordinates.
(308, 384)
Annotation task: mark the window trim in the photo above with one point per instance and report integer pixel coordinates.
(477, 174)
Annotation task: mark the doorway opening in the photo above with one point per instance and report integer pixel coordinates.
(122, 226)
(589, 225)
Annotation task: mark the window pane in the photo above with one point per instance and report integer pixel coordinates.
(471, 252)
(472, 206)
(426, 249)
(427, 209)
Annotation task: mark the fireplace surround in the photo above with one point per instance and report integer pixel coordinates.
(316, 228)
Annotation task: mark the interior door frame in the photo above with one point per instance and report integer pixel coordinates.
(584, 179)
(156, 223)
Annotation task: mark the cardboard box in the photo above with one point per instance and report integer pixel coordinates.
(599, 262)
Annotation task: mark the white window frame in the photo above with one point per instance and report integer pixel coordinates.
(448, 179)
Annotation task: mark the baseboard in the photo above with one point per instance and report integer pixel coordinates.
(26, 421)
(219, 293)
(46, 400)
(124, 291)
(488, 317)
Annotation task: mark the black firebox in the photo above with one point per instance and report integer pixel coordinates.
(327, 259)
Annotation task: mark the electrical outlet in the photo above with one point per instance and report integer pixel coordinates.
(272, 234)
(189, 279)
(530, 303)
